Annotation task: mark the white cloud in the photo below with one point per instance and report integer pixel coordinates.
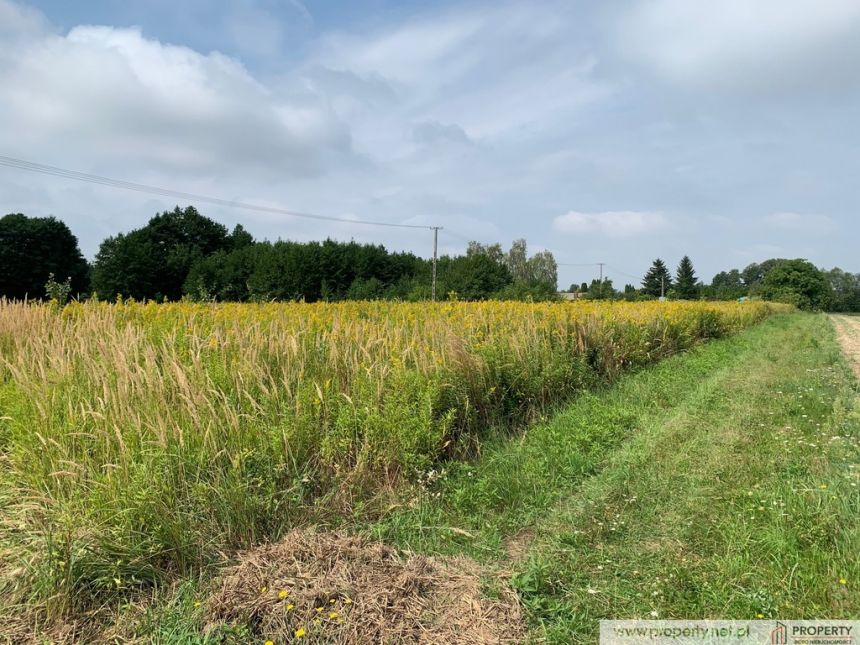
(119, 97)
(758, 45)
(611, 223)
(812, 224)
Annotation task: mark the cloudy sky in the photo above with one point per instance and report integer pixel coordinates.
(609, 132)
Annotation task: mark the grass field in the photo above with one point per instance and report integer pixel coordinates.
(719, 483)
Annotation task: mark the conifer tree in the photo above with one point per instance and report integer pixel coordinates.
(686, 283)
(658, 279)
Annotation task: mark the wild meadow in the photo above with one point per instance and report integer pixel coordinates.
(141, 442)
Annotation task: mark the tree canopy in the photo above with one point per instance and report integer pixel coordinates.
(153, 262)
(797, 282)
(181, 253)
(32, 248)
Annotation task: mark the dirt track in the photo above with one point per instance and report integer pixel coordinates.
(848, 333)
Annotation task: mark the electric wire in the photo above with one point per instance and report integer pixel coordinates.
(29, 166)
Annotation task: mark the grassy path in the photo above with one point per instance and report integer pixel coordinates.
(722, 483)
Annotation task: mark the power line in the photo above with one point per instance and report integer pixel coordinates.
(624, 273)
(30, 166)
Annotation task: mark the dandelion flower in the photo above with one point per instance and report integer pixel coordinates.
(283, 593)
(759, 615)
(823, 486)
(290, 606)
(347, 601)
(319, 609)
(843, 581)
(332, 615)
(196, 603)
(263, 589)
(332, 601)
(300, 632)
(268, 643)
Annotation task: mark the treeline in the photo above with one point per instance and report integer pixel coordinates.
(796, 281)
(181, 253)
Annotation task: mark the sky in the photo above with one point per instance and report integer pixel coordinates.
(612, 132)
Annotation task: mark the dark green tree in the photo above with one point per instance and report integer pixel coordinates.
(153, 262)
(686, 283)
(473, 277)
(797, 282)
(32, 248)
(658, 280)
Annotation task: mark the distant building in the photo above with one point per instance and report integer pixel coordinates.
(570, 295)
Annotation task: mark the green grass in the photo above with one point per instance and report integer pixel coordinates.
(718, 484)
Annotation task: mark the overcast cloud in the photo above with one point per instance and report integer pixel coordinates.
(605, 132)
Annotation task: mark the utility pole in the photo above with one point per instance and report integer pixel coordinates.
(662, 287)
(600, 283)
(435, 246)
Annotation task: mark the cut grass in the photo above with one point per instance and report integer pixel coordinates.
(719, 484)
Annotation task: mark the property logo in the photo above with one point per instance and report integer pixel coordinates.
(778, 636)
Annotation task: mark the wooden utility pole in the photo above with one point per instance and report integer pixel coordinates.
(435, 247)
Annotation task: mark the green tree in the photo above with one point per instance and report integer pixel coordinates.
(845, 290)
(797, 282)
(472, 277)
(728, 285)
(686, 283)
(601, 290)
(517, 261)
(658, 280)
(153, 262)
(754, 274)
(32, 248)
